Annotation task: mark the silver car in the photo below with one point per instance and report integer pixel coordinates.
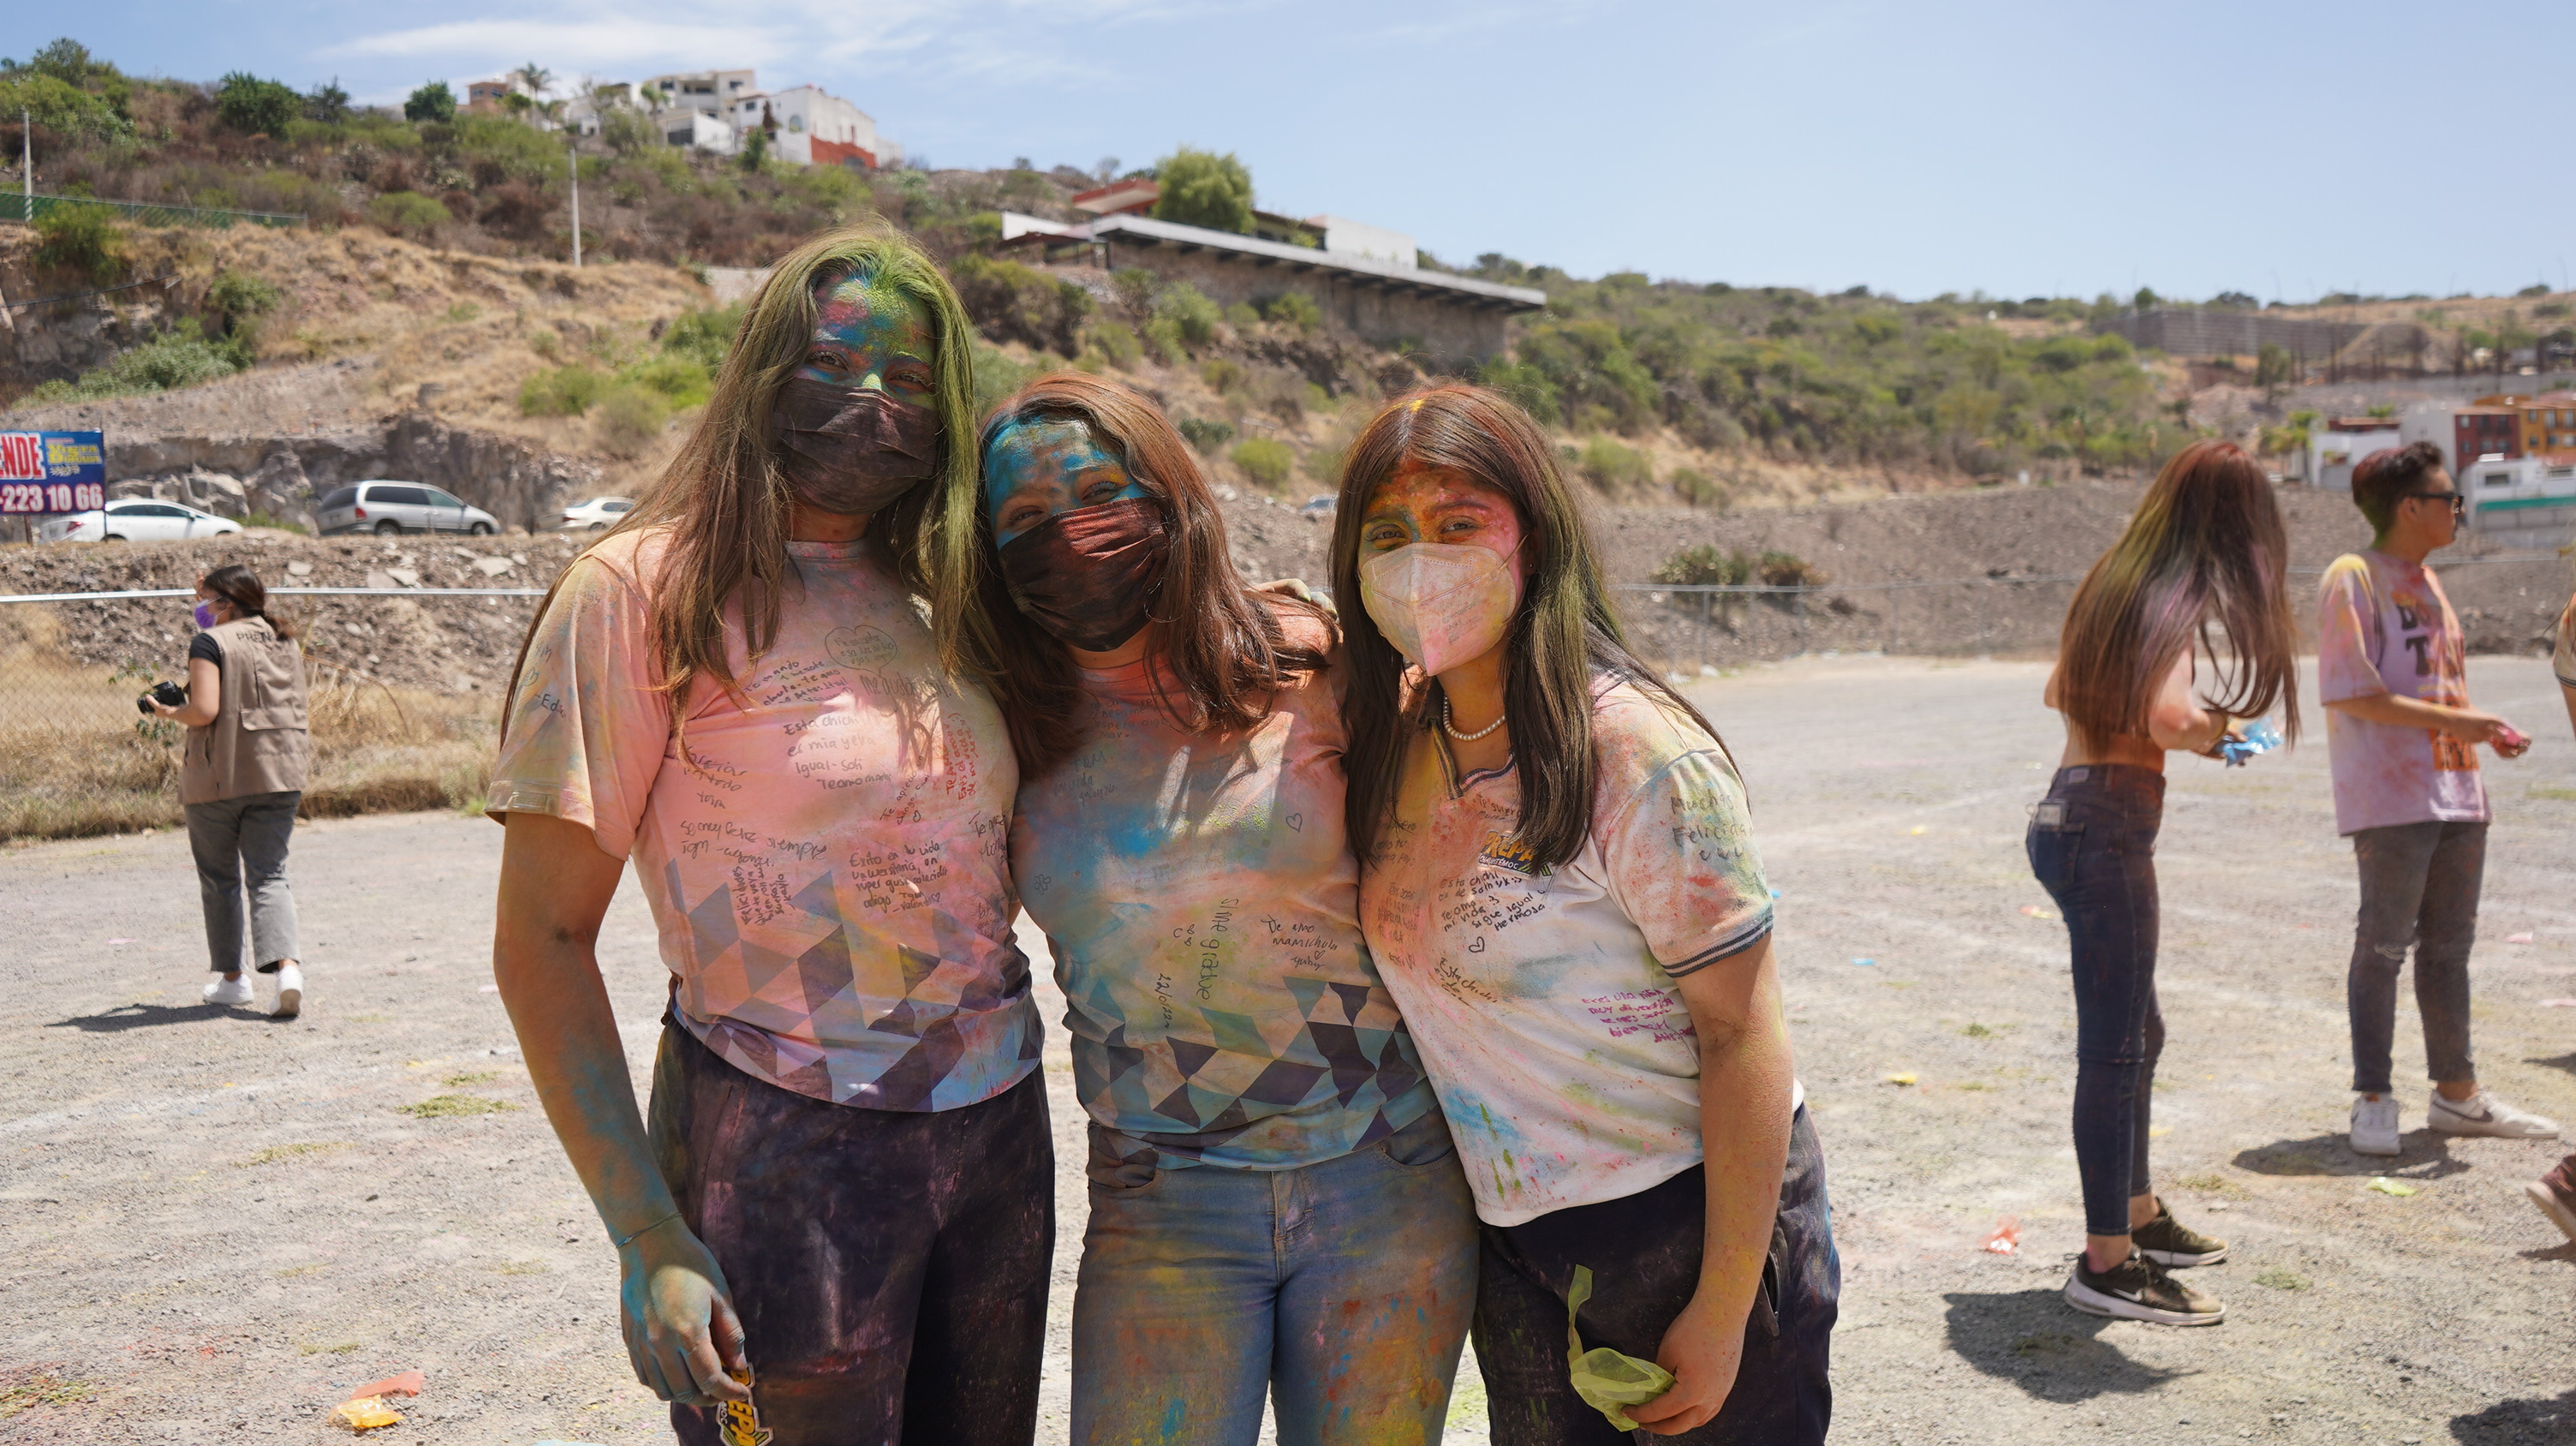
(389, 507)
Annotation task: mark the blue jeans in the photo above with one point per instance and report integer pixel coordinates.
(1343, 1289)
(2093, 846)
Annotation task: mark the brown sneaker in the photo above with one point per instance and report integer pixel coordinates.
(2168, 1242)
(2555, 1194)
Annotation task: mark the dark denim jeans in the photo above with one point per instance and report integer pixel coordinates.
(2419, 886)
(1644, 1252)
(2093, 845)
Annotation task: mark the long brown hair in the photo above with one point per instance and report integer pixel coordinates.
(242, 588)
(722, 501)
(1221, 649)
(1565, 642)
(2206, 546)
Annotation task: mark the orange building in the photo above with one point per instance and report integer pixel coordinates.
(2545, 423)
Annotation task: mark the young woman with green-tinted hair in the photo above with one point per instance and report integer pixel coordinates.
(844, 1193)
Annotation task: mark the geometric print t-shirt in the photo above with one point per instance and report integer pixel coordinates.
(824, 855)
(2384, 626)
(1203, 907)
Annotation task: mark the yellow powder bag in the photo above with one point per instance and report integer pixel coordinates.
(1605, 1379)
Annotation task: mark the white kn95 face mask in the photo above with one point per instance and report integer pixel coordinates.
(1441, 603)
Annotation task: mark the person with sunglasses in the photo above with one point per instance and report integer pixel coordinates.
(2402, 738)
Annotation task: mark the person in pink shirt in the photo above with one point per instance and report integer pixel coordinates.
(841, 1212)
(2392, 670)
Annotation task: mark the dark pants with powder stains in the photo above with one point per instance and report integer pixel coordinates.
(890, 1267)
(2419, 887)
(2092, 845)
(1644, 1252)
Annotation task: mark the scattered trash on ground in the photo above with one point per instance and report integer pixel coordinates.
(2005, 1238)
(409, 1383)
(2558, 1004)
(488, 989)
(1866, 963)
(1917, 831)
(2036, 912)
(120, 941)
(2386, 1186)
(1900, 1079)
(2517, 938)
(364, 1414)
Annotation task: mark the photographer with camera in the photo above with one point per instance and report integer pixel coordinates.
(242, 777)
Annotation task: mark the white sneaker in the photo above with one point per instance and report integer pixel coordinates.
(226, 992)
(290, 993)
(2484, 1114)
(2374, 1125)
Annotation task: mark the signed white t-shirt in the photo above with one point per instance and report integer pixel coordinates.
(1544, 1001)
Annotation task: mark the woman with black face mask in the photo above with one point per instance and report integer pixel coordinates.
(1276, 1209)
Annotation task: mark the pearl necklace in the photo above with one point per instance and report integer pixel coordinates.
(1449, 720)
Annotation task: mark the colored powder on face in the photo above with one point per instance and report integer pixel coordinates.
(874, 326)
(1058, 465)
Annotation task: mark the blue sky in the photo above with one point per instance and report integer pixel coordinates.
(2017, 148)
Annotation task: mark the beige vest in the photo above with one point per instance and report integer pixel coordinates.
(258, 742)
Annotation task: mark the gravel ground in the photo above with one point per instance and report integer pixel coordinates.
(217, 1225)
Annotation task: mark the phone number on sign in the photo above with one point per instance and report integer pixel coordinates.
(22, 497)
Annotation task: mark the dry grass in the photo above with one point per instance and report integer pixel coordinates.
(80, 760)
(448, 1107)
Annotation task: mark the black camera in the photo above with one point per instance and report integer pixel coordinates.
(168, 695)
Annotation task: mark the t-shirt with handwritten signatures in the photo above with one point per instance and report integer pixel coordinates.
(827, 865)
(1545, 1000)
(2384, 625)
(1203, 907)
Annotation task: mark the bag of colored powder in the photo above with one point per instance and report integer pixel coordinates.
(1605, 1379)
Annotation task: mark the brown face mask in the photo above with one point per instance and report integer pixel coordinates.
(847, 451)
(1089, 576)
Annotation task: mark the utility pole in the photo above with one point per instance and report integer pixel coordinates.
(572, 163)
(27, 166)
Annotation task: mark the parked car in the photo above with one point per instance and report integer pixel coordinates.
(379, 506)
(134, 519)
(598, 514)
(1321, 504)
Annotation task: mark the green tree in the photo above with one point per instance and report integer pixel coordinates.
(82, 239)
(431, 102)
(1201, 188)
(2146, 299)
(2272, 368)
(254, 106)
(327, 103)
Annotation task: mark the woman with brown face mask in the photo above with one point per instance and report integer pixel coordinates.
(841, 1212)
(1276, 1210)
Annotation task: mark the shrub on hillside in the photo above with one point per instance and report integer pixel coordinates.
(408, 213)
(681, 382)
(561, 391)
(1189, 311)
(997, 376)
(256, 107)
(1783, 569)
(82, 239)
(627, 419)
(1294, 308)
(62, 107)
(1010, 302)
(1116, 344)
(704, 336)
(433, 103)
(1614, 466)
(1204, 434)
(1201, 188)
(1694, 488)
(1266, 460)
(180, 357)
(1704, 566)
(1324, 464)
(1134, 288)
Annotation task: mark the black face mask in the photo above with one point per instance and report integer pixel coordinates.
(1090, 576)
(847, 451)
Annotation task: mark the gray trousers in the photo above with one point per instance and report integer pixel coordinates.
(2419, 886)
(237, 841)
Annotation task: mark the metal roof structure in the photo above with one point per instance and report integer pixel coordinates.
(1366, 271)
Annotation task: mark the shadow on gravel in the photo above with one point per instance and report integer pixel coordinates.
(145, 1016)
(2508, 1423)
(2033, 1339)
(2422, 1155)
(2566, 1062)
(2565, 1252)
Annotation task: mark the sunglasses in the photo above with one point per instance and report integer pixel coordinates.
(2459, 504)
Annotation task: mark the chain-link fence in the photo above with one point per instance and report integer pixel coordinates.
(1707, 627)
(403, 684)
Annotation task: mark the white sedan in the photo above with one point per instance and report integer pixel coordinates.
(596, 515)
(134, 519)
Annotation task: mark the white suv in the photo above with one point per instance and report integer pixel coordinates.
(597, 514)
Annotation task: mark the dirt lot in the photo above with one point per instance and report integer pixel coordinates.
(217, 1224)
